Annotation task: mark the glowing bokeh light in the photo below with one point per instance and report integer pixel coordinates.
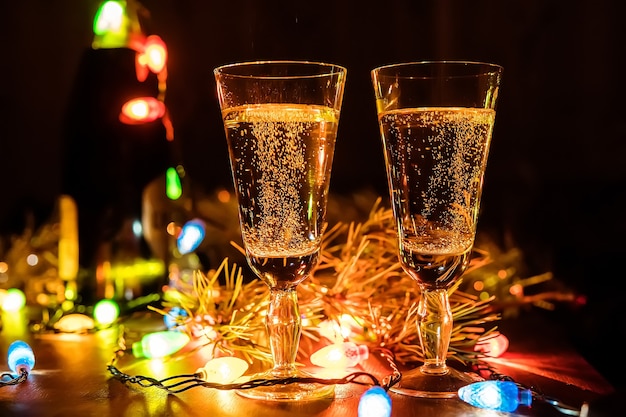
(191, 236)
(32, 259)
(493, 346)
(13, 300)
(174, 317)
(155, 54)
(173, 186)
(75, 323)
(109, 18)
(142, 110)
(106, 311)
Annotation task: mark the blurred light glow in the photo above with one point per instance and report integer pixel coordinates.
(137, 228)
(341, 329)
(74, 323)
(32, 259)
(112, 26)
(155, 54)
(173, 186)
(493, 346)
(106, 311)
(13, 300)
(517, 290)
(223, 196)
(109, 18)
(174, 317)
(191, 236)
(141, 110)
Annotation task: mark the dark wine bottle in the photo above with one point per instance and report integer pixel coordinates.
(107, 164)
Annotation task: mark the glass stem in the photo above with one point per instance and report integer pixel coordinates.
(434, 325)
(284, 327)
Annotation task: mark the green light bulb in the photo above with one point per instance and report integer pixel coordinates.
(173, 187)
(105, 312)
(160, 344)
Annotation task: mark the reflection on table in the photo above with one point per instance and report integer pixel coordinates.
(70, 377)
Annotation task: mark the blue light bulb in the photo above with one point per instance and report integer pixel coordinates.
(173, 318)
(495, 395)
(374, 402)
(21, 358)
(191, 236)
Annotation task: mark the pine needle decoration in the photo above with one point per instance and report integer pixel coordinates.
(359, 276)
(228, 316)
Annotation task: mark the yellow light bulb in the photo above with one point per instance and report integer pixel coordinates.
(223, 370)
(340, 355)
(74, 323)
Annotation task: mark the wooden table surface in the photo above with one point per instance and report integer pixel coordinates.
(70, 378)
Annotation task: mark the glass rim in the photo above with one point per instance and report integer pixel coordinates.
(331, 69)
(489, 68)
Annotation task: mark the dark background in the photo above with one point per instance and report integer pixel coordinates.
(555, 184)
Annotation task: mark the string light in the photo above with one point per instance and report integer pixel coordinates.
(173, 186)
(75, 323)
(116, 25)
(495, 395)
(105, 312)
(174, 317)
(191, 235)
(141, 110)
(21, 357)
(154, 55)
(21, 361)
(223, 370)
(160, 344)
(340, 355)
(13, 300)
(374, 402)
(109, 25)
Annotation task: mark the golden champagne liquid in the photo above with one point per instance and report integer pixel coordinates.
(281, 157)
(436, 160)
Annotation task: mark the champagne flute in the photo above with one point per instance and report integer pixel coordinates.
(436, 121)
(281, 119)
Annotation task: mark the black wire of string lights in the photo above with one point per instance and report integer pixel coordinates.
(7, 378)
(179, 383)
(521, 395)
(21, 360)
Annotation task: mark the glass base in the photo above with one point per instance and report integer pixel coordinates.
(295, 391)
(417, 383)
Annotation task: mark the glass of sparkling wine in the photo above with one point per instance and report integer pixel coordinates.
(281, 119)
(436, 121)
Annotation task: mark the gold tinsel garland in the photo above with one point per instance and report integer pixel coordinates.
(359, 277)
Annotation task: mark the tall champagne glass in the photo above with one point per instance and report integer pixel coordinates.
(281, 120)
(436, 121)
